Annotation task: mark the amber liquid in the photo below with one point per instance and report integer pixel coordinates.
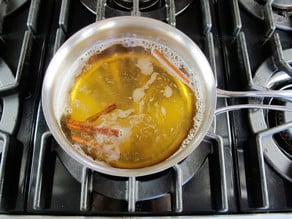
(154, 110)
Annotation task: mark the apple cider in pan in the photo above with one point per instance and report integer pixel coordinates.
(125, 108)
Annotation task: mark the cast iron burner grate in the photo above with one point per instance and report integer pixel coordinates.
(9, 7)
(273, 128)
(150, 187)
(60, 184)
(129, 192)
(147, 8)
(281, 4)
(9, 103)
(143, 4)
(281, 11)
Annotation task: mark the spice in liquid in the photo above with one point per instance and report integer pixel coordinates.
(125, 109)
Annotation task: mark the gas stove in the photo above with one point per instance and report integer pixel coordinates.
(242, 167)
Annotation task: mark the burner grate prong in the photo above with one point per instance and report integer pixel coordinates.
(207, 20)
(24, 55)
(268, 17)
(237, 25)
(86, 188)
(33, 15)
(64, 15)
(37, 201)
(60, 38)
(3, 12)
(100, 10)
(170, 12)
(178, 189)
(4, 155)
(132, 194)
(281, 63)
(273, 154)
(135, 11)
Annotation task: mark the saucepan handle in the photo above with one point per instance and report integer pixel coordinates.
(285, 95)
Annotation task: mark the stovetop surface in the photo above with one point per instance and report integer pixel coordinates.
(227, 174)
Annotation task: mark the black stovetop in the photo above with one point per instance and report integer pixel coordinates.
(229, 173)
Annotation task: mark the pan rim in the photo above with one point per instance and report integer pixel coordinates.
(107, 25)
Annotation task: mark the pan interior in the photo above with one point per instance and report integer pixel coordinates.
(126, 92)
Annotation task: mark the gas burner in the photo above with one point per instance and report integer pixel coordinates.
(150, 187)
(276, 145)
(128, 4)
(9, 103)
(282, 11)
(282, 4)
(145, 5)
(277, 118)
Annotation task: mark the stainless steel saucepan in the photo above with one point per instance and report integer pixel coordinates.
(59, 74)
